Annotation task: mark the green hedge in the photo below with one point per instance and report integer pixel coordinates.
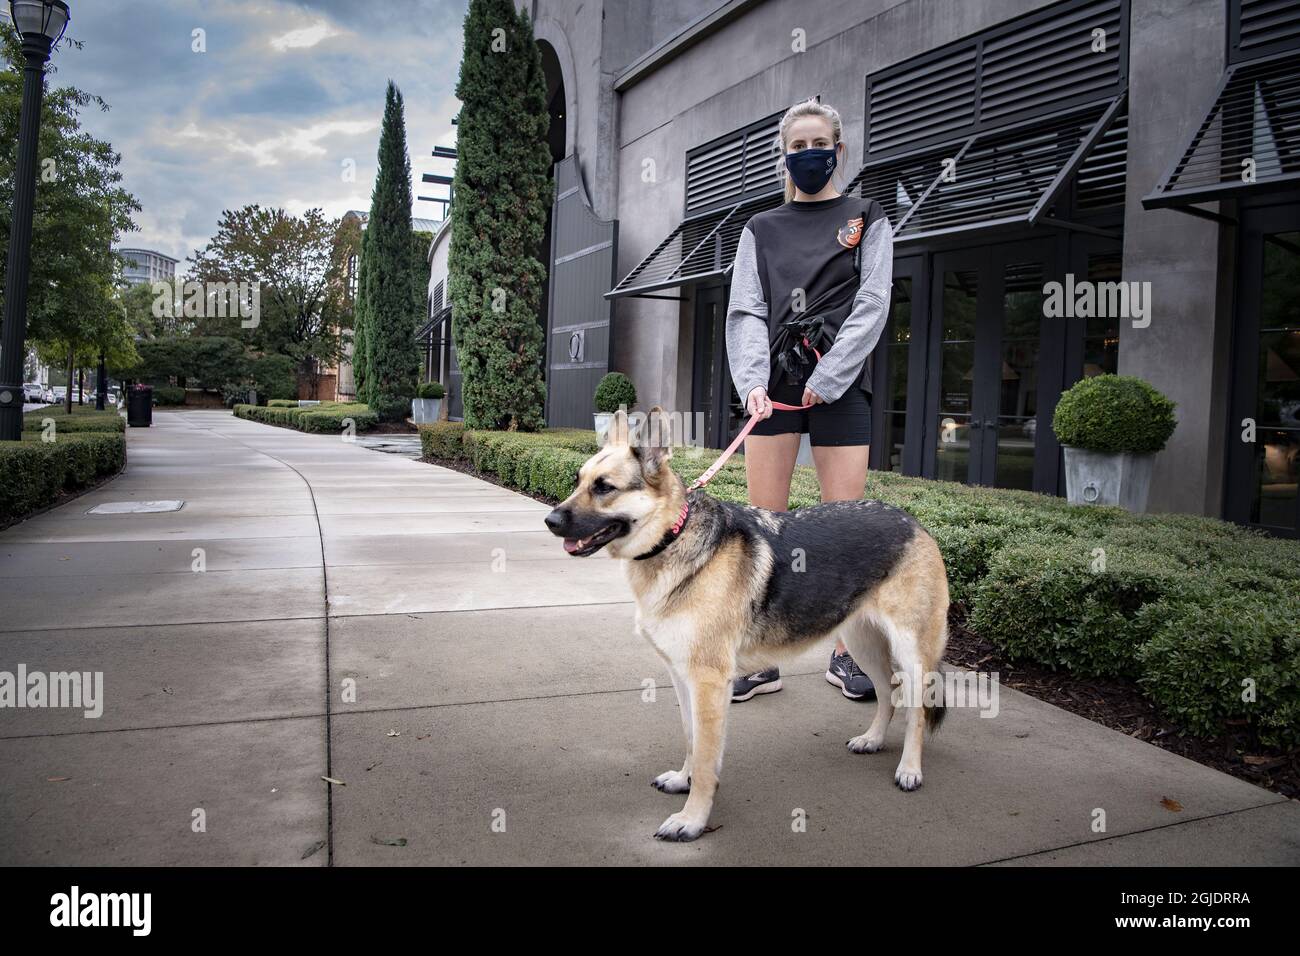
(325, 417)
(33, 472)
(168, 395)
(283, 403)
(1188, 606)
(82, 419)
(1226, 655)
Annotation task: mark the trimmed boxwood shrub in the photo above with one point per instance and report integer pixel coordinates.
(1113, 413)
(1226, 656)
(430, 390)
(325, 417)
(282, 403)
(1064, 603)
(335, 419)
(33, 472)
(615, 389)
(109, 420)
(168, 395)
(442, 440)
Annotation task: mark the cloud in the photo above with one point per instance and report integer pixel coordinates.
(304, 38)
(283, 109)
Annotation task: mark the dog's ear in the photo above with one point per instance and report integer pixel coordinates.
(652, 443)
(618, 433)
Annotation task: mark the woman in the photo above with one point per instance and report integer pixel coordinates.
(811, 276)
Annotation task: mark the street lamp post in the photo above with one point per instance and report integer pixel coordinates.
(40, 23)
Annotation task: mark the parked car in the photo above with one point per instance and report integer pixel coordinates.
(60, 393)
(32, 392)
(47, 395)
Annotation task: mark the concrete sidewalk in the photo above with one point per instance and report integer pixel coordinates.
(418, 635)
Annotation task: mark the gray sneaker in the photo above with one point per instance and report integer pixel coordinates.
(764, 682)
(845, 674)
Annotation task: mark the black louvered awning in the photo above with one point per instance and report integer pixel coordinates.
(432, 326)
(1011, 175)
(1008, 176)
(702, 247)
(1249, 141)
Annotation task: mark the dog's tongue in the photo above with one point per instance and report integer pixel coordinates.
(571, 544)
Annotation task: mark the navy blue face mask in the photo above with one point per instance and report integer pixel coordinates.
(811, 168)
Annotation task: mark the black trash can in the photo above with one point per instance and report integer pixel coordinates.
(139, 406)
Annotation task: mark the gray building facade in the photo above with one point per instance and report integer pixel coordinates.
(1147, 151)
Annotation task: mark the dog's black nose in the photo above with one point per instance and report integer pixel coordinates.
(558, 521)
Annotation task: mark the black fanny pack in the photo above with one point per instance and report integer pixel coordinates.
(801, 339)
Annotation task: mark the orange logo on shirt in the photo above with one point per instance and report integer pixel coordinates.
(850, 233)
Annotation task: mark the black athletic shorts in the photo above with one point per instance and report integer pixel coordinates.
(845, 421)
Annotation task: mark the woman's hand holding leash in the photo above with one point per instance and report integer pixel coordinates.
(759, 405)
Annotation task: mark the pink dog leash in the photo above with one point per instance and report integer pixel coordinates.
(713, 469)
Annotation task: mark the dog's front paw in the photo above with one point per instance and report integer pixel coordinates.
(907, 779)
(679, 828)
(672, 781)
(866, 744)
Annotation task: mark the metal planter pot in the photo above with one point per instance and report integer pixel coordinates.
(1108, 478)
(425, 410)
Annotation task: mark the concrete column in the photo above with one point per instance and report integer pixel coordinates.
(1176, 58)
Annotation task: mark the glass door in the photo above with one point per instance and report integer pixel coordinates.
(987, 349)
(954, 447)
(1264, 431)
(898, 373)
(711, 388)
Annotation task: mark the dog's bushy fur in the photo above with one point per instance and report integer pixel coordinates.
(740, 588)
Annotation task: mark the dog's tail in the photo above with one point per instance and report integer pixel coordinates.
(934, 715)
(936, 711)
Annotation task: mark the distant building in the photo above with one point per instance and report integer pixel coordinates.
(147, 265)
(435, 335)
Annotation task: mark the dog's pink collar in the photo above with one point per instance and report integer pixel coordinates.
(670, 535)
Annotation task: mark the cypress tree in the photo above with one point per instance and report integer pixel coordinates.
(502, 188)
(360, 318)
(393, 305)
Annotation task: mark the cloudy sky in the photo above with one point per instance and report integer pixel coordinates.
(286, 93)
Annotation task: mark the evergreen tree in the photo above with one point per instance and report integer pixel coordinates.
(501, 188)
(393, 304)
(360, 324)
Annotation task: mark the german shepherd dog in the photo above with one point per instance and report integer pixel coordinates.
(725, 589)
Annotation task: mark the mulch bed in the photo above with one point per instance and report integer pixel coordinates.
(1112, 702)
(392, 428)
(1118, 704)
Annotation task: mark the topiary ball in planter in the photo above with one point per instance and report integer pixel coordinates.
(1111, 427)
(1114, 413)
(614, 390)
(427, 404)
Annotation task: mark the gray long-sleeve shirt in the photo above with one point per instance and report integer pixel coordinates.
(798, 257)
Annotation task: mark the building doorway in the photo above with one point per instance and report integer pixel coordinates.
(712, 393)
(1264, 429)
